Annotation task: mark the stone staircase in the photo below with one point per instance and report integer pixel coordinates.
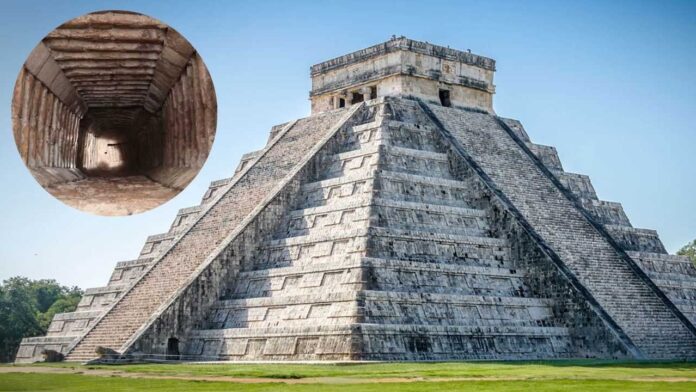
(188, 245)
(66, 328)
(674, 275)
(390, 249)
(649, 320)
(387, 255)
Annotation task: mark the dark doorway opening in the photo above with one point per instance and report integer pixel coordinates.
(341, 103)
(173, 349)
(445, 98)
(373, 92)
(357, 98)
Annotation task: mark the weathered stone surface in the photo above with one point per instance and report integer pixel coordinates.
(403, 67)
(200, 241)
(398, 230)
(641, 311)
(422, 279)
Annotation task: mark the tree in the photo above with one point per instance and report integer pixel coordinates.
(689, 250)
(66, 303)
(27, 307)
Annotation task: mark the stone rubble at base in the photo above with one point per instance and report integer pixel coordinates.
(393, 228)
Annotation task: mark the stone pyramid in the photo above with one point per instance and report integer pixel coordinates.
(402, 220)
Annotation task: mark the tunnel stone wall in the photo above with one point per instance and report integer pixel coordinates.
(189, 117)
(45, 129)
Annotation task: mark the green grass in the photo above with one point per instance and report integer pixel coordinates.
(489, 376)
(590, 369)
(77, 383)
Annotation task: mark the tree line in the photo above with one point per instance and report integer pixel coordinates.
(689, 250)
(27, 308)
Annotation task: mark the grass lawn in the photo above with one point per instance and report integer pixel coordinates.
(381, 377)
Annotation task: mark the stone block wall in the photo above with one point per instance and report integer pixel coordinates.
(404, 67)
(394, 253)
(640, 311)
(388, 243)
(191, 249)
(46, 129)
(94, 99)
(189, 117)
(643, 245)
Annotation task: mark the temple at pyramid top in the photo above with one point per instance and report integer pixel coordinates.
(406, 68)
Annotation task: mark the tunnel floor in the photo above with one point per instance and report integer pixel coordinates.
(113, 196)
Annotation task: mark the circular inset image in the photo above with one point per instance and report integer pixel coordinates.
(114, 113)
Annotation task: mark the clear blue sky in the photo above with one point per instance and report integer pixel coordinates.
(611, 84)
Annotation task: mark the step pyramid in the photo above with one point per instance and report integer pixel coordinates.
(394, 223)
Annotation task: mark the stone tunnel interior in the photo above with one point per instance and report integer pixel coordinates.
(114, 111)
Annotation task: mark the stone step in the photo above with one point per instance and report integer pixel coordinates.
(438, 208)
(606, 212)
(355, 136)
(309, 342)
(71, 323)
(354, 211)
(245, 196)
(634, 306)
(453, 299)
(310, 249)
(664, 263)
(127, 271)
(469, 266)
(351, 162)
(270, 302)
(674, 275)
(155, 244)
(392, 158)
(334, 190)
(339, 306)
(435, 247)
(343, 275)
(185, 217)
(359, 135)
(77, 358)
(424, 189)
(30, 348)
(384, 242)
(379, 274)
(430, 217)
(420, 277)
(248, 157)
(387, 213)
(140, 262)
(416, 342)
(380, 307)
(99, 298)
(578, 184)
(393, 186)
(397, 133)
(547, 154)
(411, 135)
(370, 328)
(400, 341)
(635, 239)
(415, 161)
(400, 159)
(679, 283)
(214, 188)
